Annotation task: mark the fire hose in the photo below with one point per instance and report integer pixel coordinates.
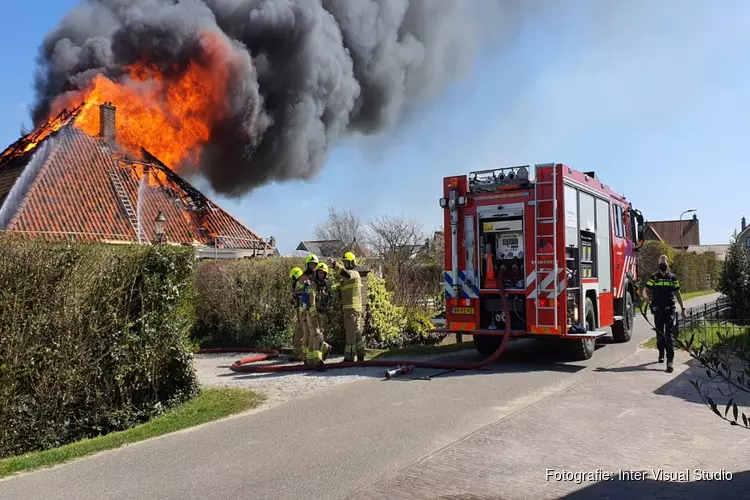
(244, 365)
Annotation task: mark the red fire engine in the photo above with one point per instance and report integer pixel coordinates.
(560, 243)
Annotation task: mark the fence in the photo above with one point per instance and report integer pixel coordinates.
(714, 324)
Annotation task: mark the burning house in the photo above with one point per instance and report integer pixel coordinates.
(63, 182)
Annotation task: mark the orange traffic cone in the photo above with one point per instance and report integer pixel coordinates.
(489, 280)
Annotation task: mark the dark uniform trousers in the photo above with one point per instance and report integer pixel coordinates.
(663, 288)
(664, 322)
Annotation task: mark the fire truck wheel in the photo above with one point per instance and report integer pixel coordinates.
(486, 345)
(583, 349)
(622, 331)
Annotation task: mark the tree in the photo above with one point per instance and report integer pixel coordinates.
(340, 225)
(395, 240)
(735, 278)
(399, 245)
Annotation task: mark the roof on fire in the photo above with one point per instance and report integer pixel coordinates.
(60, 182)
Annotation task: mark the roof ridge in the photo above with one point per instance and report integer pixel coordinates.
(64, 118)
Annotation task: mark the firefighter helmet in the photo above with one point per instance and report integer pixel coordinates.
(350, 257)
(322, 267)
(311, 258)
(295, 273)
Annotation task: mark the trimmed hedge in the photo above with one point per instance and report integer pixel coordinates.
(693, 270)
(248, 304)
(92, 339)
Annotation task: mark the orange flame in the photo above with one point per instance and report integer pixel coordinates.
(30, 141)
(170, 118)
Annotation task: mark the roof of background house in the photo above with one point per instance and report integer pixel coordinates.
(719, 250)
(742, 233)
(676, 233)
(332, 248)
(64, 185)
(322, 248)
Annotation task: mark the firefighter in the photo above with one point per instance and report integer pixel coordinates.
(660, 291)
(311, 262)
(299, 349)
(351, 300)
(317, 301)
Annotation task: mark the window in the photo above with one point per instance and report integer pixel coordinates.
(747, 241)
(618, 221)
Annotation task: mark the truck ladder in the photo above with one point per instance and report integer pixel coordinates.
(126, 205)
(546, 274)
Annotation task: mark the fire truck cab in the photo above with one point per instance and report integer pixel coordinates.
(559, 242)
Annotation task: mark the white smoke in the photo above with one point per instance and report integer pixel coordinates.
(26, 179)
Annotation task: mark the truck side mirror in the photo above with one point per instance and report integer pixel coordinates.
(638, 229)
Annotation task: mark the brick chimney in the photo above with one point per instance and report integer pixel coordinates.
(744, 224)
(107, 121)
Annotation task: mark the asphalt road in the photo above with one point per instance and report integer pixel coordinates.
(326, 445)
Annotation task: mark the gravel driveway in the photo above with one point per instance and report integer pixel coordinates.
(213, 370)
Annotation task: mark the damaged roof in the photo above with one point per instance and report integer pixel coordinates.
(60, 182)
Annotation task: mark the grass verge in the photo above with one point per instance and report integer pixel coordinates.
(419, 350)
(692, 295)
(210, 404)
(651, 343)
(732, 335)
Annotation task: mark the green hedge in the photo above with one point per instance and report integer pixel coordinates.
(92, 339)
(247, 304)
(691, 269)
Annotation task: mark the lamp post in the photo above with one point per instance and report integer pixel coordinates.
(159, 223)
(682, 230)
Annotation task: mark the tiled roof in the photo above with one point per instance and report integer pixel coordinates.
(322, 248)
(332, 248)
(719, 250)
(74, 193)
(671, 230)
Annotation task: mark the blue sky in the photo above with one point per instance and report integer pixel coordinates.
(653, 96)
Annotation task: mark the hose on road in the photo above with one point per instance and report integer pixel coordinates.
(244, 365)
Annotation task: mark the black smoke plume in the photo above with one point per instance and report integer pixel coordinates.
(306, 72)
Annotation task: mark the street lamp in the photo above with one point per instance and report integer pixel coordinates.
(159, 224)
(682, 230)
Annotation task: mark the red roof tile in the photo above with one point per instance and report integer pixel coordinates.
(73, 193)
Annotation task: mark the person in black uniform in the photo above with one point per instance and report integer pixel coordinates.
(662, 287)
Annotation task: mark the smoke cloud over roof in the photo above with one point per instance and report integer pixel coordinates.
(300, 73)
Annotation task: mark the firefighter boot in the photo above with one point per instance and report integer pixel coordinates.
(360, 358)
(669, 369)
(326, 350)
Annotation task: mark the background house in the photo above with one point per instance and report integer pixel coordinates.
(744, 235)
(679, 234)
(719, 250)
(325, 249)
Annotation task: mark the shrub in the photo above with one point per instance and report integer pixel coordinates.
(247, 304)
(419, 328)
(384, 321)
(244, 303)
(696, 272)
(92, 339)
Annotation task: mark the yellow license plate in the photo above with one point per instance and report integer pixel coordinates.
(462, 310)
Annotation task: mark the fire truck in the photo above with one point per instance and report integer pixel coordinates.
(560, 244)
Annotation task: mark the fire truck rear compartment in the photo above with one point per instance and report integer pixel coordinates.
(502, 240)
